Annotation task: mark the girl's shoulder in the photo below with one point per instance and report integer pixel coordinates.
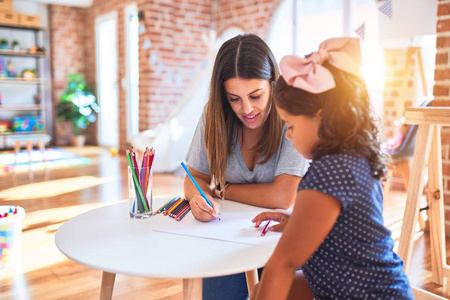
(343, 158)
(341, 161)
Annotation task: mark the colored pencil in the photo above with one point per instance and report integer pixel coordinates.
(142, 175)
(183, 214)
(169, 206)
(169, 210)
(176, 205)
(136, 183)
(166, 204)
(182, 211)
(195, 183)
(180, 207)
(266, 228)
(136, 192)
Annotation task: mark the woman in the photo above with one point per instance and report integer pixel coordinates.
(239, 145)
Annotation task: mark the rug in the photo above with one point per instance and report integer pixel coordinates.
(54, 158)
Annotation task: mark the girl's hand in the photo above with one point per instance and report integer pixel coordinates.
(201, 209)
(274, 216)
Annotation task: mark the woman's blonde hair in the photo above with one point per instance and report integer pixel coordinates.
(245, 56)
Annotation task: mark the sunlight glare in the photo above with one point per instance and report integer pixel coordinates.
(51, 188)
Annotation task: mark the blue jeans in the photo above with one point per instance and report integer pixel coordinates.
(231, 287)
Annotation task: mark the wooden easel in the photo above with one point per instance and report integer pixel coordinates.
(404, 167)
(427, 152)
(411, 52)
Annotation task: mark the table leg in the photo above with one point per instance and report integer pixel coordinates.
(41, 146)
(29, 147)
(16, 152)
(192, 288)
(107, 285)
(252, 279)
(29, 150)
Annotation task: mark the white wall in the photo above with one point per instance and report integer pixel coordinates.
(410, 18)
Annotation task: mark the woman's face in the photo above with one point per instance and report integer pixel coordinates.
(302, 130)
(249, 99)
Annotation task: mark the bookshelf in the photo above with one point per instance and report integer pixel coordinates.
(27, 98)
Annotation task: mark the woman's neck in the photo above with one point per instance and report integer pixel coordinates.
(250, 137)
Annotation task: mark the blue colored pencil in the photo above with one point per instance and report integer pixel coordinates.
(195, 183)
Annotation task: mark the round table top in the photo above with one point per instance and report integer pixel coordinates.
(108, 239)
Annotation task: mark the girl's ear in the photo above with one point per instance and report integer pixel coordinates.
(319, 113)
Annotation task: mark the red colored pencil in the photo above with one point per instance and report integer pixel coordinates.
(266, 228)
(183, 214)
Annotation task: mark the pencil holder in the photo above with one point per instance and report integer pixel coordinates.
(10, 234)
(140, 192)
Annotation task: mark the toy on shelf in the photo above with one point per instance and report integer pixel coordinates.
(5, 126)
(4, 44)
(36, 49)
(15, 45)
(28, 74)
(2, 68)
(27, 123)
(10, 69)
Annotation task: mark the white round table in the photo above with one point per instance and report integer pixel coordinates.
(108, 239)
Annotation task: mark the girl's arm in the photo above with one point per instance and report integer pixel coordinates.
(312, 219)
(279, 194)
(200, 208)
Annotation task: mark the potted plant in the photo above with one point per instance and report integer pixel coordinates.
(4, 44)
(78, 106)
(15, 45)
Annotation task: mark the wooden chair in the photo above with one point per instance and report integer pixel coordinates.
(427, 151)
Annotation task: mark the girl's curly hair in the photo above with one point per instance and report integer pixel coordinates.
(348, 123)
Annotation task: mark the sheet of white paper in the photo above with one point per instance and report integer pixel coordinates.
(234, 226)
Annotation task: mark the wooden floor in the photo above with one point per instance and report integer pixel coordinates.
(53, 197)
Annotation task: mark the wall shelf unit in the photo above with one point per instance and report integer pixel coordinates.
(24, 99)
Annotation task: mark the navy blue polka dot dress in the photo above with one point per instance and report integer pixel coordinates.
(356, 260)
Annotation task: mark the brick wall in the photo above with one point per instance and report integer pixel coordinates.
(67, 42)
(251, 16)
(395, 60)
(175, 29)
(442, 94)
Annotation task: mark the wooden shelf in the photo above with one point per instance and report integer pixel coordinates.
(22, 81)
(23, 132)
(33, 28)
(23, 53)
(22, 107)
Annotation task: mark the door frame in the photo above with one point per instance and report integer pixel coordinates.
(126, 82)
(105, 17)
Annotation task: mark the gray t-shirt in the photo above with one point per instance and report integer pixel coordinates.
(286, 160)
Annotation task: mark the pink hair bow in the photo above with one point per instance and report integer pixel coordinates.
(308, 73)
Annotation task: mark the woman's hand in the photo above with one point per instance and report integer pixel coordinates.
(201, 209)
(272, 216)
